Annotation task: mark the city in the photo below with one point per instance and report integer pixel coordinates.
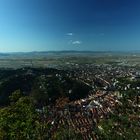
(69, 70)
(79, 97)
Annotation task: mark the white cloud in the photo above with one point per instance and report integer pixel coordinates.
(77, 42)
(69, 34)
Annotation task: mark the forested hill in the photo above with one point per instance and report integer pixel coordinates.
(44, 85)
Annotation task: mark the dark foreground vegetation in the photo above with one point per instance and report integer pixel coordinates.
(44, 85)
(27, 95)
(21, 121)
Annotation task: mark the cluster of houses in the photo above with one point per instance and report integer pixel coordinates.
(104, 76)
(83, 115)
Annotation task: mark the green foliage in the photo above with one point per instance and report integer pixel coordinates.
(15, 96)
(66, 133)
(17, 121)
(21, 121)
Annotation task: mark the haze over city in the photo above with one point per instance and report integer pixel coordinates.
(94, 25)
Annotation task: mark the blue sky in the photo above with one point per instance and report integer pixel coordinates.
(42, 25)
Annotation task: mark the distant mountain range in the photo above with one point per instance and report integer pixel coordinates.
(64, 52)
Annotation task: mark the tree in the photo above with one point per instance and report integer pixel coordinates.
(15, 96)
(17, 122)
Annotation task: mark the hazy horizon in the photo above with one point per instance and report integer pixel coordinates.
(39, 51)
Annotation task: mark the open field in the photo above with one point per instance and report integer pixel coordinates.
(57, 59)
